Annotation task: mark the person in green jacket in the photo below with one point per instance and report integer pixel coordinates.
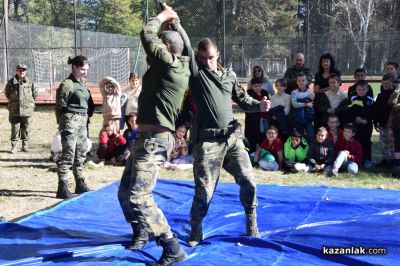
(21, 94)
(72, 102)
(218, 137)
(295, 152)
(164, 85)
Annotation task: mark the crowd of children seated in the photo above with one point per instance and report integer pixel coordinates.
(341, 138)
(325, 130)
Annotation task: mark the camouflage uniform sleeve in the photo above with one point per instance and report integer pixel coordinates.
(240, 96)
(155, 49)
(34, 91)
(394, 98)
(62, 96)
(309, 76)
(176, 26)
(7, 90)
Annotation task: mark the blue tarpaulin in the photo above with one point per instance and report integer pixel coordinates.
(296, 223)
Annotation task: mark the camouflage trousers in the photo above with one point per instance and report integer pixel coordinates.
(386, 139)
(20, 127)
(210, 155)
(73, 141)
(138, 181)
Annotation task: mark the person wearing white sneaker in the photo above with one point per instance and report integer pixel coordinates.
(349, 151)
(321, 153)
(295, 152)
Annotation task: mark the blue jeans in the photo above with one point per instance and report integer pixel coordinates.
(342, 162)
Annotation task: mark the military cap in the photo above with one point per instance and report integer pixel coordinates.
(22, 66)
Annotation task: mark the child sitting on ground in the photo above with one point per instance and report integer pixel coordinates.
(335, 132)
(130, 135)
(111, 145)
(180, 158)
(56, 147)
(321, 153)
(269, 154)
(295, 152)
(349, 152)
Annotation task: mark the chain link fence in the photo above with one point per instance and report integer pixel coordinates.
(244, 30)
(45, 50)
(368, 39)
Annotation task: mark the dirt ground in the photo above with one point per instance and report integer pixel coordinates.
(28, 182)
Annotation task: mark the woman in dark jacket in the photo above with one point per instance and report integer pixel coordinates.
(321, 85)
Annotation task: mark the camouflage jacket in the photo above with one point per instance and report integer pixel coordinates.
(72, 96)
(21, 96)
(166, 80)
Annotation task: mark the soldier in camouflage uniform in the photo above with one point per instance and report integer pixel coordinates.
(217, 137)
(72, 100)
(21, 96)
(164, 85)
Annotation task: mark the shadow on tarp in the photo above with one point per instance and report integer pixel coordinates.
(295, 223)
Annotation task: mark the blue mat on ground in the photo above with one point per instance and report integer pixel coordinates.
(295, 224)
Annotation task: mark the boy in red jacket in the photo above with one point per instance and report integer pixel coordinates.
(349, 152)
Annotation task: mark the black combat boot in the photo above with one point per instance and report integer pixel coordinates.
(196, 234)
(172, 251)
(63, 191)
(81, 187)
(140, 237)
(251, 223)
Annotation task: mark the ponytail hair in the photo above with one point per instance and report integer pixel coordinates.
(78, 61)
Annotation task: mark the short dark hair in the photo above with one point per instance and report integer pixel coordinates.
(362, 83)
(359, 70)
(350, 126)
(282, 82)
(300, 74)
(133, 75)
(205, 44)
(127, 117)
(335, 76)
(174, 39)
(395, 64)
(256, 81)
(388, 76)
(296, 133)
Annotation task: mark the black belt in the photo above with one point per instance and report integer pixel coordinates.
(75, 113)
(156, 135)
(205, 133)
